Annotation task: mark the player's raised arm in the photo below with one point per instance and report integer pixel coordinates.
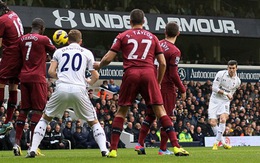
(110, 55)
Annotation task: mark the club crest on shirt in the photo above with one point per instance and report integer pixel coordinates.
(114, 40)
(177, 60)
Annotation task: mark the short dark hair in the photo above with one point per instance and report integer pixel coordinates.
(3, 8)
(172, 29)
(137, 17)
(38, 23)
(74, 36)
(232, 62)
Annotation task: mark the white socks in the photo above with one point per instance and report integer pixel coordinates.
(220, 132)
(39, 133)
(100, 137)
(215, 130)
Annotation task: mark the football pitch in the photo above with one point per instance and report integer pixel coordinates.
(197, 155)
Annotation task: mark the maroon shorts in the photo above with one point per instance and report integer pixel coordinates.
(169, 100)
(10, 67)
(33, 96)
(139, 80)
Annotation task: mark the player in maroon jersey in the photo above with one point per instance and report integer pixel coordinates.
(11, 29)
(139, 48)
(170, 80)
(34, 47)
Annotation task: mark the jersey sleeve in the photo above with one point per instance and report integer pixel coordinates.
(2, 28)
(49, 47)
(217, 81)
(158, 48)
(239, 83)
(175, 58)
(174, 75)
(55, 56)
(91, 61)
(116, 46)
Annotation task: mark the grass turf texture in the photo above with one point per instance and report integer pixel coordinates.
(197, 155)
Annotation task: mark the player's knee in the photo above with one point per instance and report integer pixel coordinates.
(159, 111)
(47, 118)
(222, 120)
(13, 87)
(22, 115)
(2, 85)
(39, 112)
(20, 122)
(122, 112)
(149, 120)
(91, 123)
(213, 122)
(11, 104)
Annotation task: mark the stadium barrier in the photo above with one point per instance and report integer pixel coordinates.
(127, 139)
(67, 141)
(235, 141)
(188, 72)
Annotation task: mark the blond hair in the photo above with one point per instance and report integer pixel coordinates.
(74, 36)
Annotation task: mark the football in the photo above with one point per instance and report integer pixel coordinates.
(60, 37)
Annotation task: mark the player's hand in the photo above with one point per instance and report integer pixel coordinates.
(230, 97)
(96, 65)
(88, 80)
(183, 96)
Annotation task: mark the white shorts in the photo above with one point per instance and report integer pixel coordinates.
(71, 96)
(218, 107)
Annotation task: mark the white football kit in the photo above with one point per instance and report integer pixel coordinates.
(71, 86)
(219, 103)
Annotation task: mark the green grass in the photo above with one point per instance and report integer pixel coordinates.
(197, 154)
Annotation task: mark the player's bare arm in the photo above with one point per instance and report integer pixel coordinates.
(1, 42)
(52, 69)
(110, 55)
(162, 67)
(94, 77)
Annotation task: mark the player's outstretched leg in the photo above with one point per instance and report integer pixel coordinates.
(100, 138)
(39, 133)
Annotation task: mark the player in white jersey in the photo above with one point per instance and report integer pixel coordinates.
(68, 66)
(224, 86)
